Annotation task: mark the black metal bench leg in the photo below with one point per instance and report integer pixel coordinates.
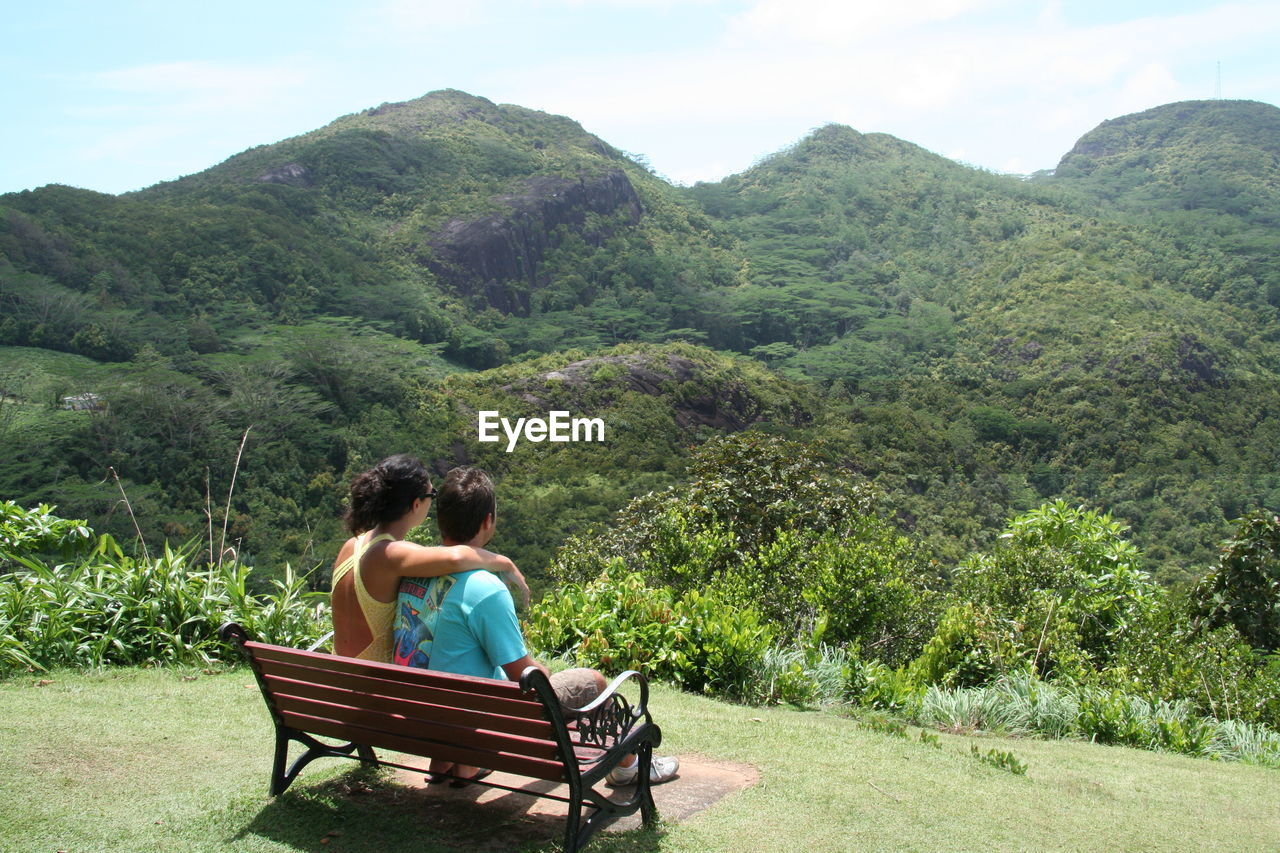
(573, 820)
(281, 778)
(278, 779)
(648, 811)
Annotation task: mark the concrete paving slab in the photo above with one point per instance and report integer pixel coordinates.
(701, 783)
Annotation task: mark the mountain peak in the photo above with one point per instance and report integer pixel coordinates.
(1242, 122)
(1214, 155)
(835, 146)
(431, 135)
(445, 107)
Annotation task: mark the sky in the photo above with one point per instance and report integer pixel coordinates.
(121, 95)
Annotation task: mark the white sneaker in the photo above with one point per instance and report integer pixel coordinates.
(661, 769)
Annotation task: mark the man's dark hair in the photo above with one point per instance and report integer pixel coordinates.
(465, 499)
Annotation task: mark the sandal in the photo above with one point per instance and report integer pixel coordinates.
(462, 783)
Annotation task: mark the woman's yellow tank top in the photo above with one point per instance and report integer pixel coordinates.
(379, 615)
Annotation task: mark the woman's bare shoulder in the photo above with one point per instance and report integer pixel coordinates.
(348, 548)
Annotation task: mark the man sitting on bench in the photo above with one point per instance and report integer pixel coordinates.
(466, 623)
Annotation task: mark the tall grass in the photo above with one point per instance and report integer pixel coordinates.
(1016, 704)
(801, 676)
(1023, 705)
(1248, 742)
(109, 608)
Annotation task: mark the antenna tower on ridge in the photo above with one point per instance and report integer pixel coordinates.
(1218, 91)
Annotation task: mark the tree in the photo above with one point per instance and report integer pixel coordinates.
(1243, 589)
(766, 525)
(1057, 593)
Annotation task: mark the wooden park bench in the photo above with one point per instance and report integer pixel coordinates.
(517, 728)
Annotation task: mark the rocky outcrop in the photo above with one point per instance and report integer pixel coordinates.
(293, 174)
(499, 257)
(698, 397)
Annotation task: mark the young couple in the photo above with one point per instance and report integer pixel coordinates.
(441, 607)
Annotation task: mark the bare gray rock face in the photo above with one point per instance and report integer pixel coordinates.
(500, 256)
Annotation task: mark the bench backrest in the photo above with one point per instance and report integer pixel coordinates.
(476, 721)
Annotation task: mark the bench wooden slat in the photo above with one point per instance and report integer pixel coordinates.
(552, 771)
(393, 673)
(421, 729)
(540, 729)
(378, 685)
(429, 710)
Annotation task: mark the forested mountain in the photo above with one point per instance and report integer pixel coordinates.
(973, 343)
(1208, 156)
(1204, 167)
(1005, 341)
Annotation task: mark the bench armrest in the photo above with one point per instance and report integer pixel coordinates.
(608, 719)
(605, 724)
(641, 707)
(235, 636)
(320, 643)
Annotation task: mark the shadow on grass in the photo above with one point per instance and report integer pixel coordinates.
(363, 810)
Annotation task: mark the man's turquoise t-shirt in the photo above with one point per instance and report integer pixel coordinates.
(464, 623)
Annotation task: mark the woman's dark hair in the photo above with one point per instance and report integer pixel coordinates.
(465, 499)
(386, 491)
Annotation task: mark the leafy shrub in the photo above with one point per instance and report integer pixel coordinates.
(1115, 717)
(869, 591)
(874, 685)
(1173, 656)
(618, 622)
(39, 531)
(724, 646)
(966, 650)
(770, 529)
(109, 608)
(1057, 594)
(1244, 588)
(749, 487)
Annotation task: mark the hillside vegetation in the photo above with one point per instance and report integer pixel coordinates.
(972, 344)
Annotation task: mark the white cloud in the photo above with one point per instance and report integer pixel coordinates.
(195, 87)
(841, 22)
(178, 117)
(1009, 91)
(421, 22)
(627, 4)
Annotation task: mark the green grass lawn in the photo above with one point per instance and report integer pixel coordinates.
(142, 760)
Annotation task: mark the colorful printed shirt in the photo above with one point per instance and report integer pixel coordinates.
(463, 623)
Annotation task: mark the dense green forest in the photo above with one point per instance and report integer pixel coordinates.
(225, 350)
